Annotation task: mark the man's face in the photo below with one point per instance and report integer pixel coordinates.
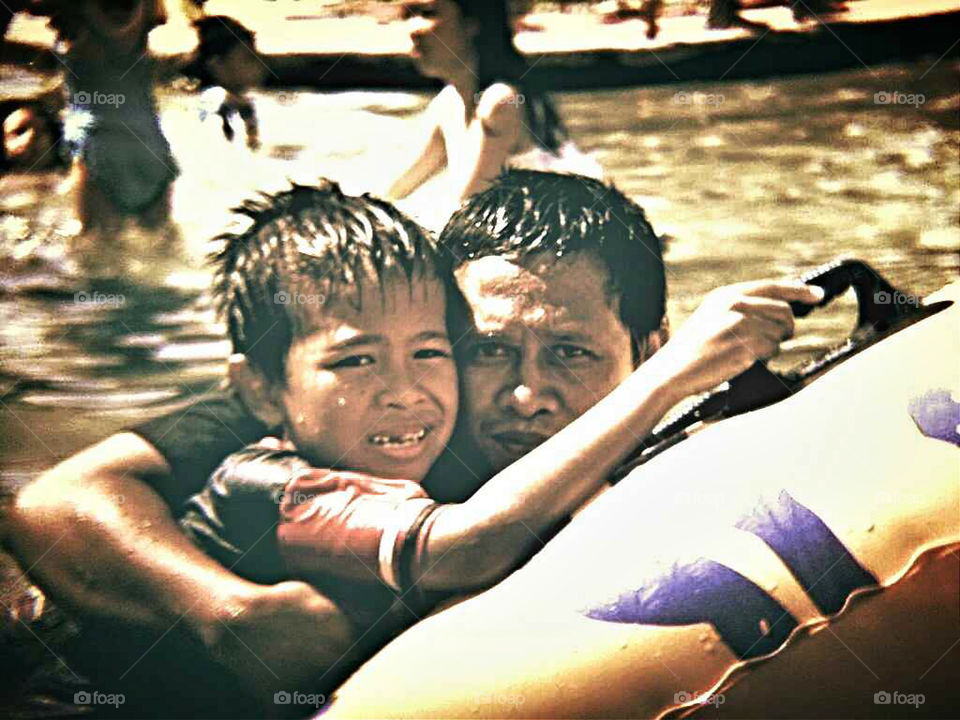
(548, 346)
(375, 389)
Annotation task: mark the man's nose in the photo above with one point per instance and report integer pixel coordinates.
(530, 392)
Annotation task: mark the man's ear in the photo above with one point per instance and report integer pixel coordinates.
(257, 393)
(654, 340)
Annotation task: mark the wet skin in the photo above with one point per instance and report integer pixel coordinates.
(548, 345)
(374, 389)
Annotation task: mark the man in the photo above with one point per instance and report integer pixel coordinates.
(565, 280)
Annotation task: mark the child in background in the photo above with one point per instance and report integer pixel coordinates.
(123, 165)
(227, 66)
(490, 114)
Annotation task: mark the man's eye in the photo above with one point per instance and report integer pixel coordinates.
(490, 351)
(571, 352)
(353, 361)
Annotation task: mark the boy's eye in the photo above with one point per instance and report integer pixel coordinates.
(430, 354)
(571, 352)
(353, 361)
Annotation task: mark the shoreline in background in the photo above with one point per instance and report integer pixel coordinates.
(574, 50)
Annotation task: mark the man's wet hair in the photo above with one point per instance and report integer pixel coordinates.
(309, 246)
(528, 213)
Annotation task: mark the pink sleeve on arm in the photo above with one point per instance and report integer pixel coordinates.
(341, 523)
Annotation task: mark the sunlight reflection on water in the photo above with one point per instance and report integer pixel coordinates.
(778, 177)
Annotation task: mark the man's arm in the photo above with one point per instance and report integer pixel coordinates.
(477, 543)
(100, 540)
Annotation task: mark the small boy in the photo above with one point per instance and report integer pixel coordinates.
(339, 305)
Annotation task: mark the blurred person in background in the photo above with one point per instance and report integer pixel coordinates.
(725, 14)
(227, 66)
(489, 115)
(122, 163)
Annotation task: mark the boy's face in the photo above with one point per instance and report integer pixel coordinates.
(374, 389)
(548, 346)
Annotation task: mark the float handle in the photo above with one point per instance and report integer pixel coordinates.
(876, 297)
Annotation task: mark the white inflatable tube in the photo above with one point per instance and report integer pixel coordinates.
(784, 533)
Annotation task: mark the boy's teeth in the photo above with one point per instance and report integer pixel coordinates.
(406, 439)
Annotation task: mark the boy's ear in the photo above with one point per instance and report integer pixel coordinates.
(256, 392)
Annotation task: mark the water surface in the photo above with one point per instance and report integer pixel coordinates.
(748, 180)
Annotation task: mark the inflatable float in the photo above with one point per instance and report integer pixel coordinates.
(796, 560)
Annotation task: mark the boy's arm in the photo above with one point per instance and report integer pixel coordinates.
(476, 543)
(99, 539)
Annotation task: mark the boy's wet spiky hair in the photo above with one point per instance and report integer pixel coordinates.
(313, 240)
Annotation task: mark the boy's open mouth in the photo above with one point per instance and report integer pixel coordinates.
(399, 442)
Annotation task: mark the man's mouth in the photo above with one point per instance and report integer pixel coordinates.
(518, 442)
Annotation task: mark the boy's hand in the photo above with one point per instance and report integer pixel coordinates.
(734, 327)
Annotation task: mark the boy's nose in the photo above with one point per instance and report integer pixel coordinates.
(400, 389)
